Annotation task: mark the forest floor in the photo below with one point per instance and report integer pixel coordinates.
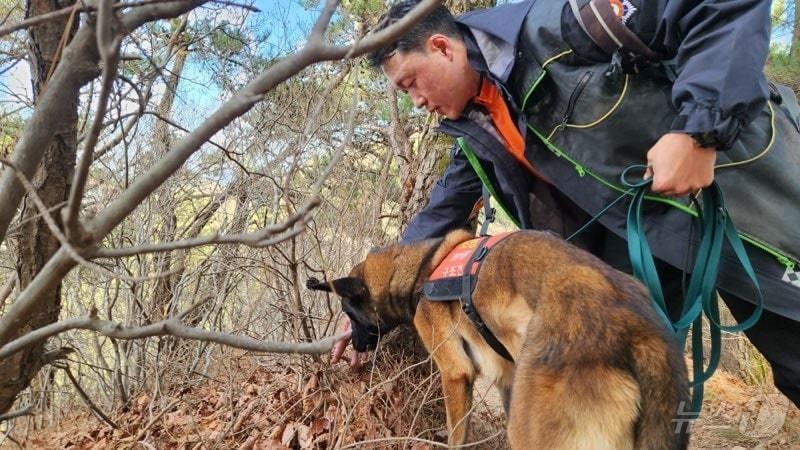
(252, 402)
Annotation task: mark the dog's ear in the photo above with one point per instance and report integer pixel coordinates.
(350, 287)
(317, 285)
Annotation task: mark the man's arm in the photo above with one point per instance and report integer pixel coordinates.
(721, 47)
(451, 201)
(721, 85)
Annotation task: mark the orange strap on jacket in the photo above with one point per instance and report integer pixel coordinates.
(491, 99)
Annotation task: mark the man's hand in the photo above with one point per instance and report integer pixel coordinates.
(679, 166)
(356, 358)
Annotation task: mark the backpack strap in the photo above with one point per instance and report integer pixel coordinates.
(599, 21)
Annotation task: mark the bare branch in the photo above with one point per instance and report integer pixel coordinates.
(82, 170)
(88, 400)
(78, 66)
(18, 413)
(386, 36)
(167, 327)
(104, 34)
(41, 18)
(74, 253)
(111, 58)
(35, 20)
(61, 263)
(321, 25)
(268, 235)
(237, 5)
(155, 419)
(7, 288)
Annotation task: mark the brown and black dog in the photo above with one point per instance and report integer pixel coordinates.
(595, 368)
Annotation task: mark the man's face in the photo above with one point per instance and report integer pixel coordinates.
(438, 77)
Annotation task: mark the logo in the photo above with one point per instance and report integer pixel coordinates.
(792, 276)
(624, 9)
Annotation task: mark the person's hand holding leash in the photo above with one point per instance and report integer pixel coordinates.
(679, 166)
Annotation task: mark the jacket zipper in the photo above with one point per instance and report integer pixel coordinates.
(573, 97)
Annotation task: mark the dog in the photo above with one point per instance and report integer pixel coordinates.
(593, 367)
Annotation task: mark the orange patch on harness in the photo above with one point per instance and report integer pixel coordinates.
(455, 262)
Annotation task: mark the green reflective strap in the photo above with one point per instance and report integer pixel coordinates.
(476, 166)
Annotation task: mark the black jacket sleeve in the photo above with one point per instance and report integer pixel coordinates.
(451, 201)
(720, 48)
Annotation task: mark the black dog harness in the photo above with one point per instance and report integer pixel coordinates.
(454, 279)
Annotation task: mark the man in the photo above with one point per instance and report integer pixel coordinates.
(552, 115)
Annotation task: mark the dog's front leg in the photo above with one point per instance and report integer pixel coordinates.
(457, 387)
(438, 332)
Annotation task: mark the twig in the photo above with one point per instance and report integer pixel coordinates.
(65, 243)
(269, 235)
(108, 219)
(167, 327)
(86, 398)
(27, 411)
(155, 419)
(237, 5)
(321, 25)
(7, 288)
(31, 21)
(108, 46)
(371, 442)
(18, 225)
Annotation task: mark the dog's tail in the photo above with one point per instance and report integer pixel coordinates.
(663, 382)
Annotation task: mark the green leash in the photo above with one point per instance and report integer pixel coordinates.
(700, 295)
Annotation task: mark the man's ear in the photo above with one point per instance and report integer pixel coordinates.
(440, 43)
(350, 287)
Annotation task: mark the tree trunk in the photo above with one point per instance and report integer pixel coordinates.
(419, 155)
(35, 244)
(162, 291)
(794, 52)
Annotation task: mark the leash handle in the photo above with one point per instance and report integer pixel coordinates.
(700, 296)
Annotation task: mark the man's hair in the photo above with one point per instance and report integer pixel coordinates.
(438, 21)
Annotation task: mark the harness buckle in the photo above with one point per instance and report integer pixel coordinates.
(480, 254)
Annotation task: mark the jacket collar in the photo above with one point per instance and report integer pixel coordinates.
(495, 32)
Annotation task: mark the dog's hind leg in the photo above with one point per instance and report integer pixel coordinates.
(568, 408)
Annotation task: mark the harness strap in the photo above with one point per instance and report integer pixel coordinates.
(488, 211)
(467, 285)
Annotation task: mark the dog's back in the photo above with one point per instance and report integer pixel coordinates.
(596, 370)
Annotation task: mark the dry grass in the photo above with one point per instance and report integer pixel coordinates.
(269, 402)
